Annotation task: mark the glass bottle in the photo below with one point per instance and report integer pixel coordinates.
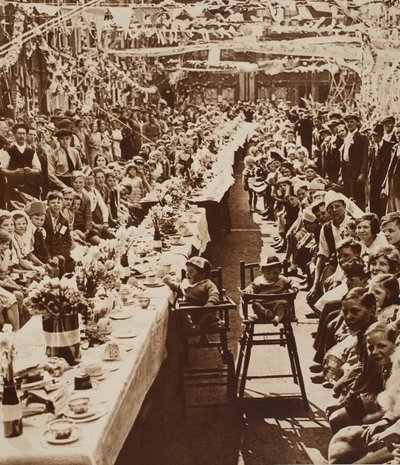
(11, 410)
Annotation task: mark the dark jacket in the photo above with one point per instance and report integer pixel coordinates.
(58, 239)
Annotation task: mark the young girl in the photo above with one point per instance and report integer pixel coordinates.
(270, 282)
(197, 289)
(385, 260)
(10, 303)
(386, 290)
(23, 241)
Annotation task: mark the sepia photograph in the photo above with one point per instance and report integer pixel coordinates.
(199, 232)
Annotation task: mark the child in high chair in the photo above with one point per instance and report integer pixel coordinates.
(270, 281)
(197, 289)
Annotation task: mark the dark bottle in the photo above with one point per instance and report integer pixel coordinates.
(157, 244)
(11, 410)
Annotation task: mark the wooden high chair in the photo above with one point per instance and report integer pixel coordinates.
(283, 334)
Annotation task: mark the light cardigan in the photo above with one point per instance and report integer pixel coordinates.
(97, 199)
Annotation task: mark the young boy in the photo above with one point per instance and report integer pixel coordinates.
(270, 282)
(37, 213)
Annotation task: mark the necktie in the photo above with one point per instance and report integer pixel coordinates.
(71, 166)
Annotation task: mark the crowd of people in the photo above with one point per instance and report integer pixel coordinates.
(329, 182)
(331, 185)
(68, 179)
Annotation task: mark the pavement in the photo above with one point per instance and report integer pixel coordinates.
(267, 427)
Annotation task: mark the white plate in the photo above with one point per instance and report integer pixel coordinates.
(75, 435)
(120, 315)
(156, 284)
(124, 334)
(177, 243)
(78, 416)
(189, 234)
(99, 411)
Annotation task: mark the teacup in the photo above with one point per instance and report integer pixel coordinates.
(104, 325)
(61, 429)
(176, 239)
(144, 301)
(189, 217)
(152, 278)
(79, 405)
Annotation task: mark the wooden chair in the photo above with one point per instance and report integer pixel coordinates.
(210, 338)
(282, 335)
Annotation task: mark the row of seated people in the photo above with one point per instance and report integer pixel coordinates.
(348, 261)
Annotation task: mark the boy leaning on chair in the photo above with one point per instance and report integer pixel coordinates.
(270, 281)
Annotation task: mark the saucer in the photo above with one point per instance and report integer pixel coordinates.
(120, 315)
(189, 234)
(98, 412)
(75, 435)
(156, 284)
(78, 416)
(124, 334)
(178, 243)
(100, 376)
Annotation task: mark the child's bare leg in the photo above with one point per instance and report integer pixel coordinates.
(13, 316)
(262, 312)
(280, 312)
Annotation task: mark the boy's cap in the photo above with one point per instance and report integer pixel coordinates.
(199, 262)
(270, 262)
(316, 186)
(308, 215)
(35, 208)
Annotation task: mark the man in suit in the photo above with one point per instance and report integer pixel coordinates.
(378, 160)
(354, 161)
(390, 133)
(391, 183)
(63, 161)
(58, 235)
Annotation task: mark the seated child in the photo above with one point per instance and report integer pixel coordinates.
(197, 289)
(37, 213)
(270, 282)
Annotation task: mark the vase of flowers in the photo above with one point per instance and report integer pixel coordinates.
(59, 302)
(11, 409)
(99, 269)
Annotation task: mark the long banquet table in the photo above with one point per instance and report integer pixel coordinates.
(125, 386)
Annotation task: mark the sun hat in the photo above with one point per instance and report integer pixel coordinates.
(269, 262)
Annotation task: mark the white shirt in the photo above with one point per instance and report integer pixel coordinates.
(339, 233)
(388, 136)
(21, 148)
(348, 140)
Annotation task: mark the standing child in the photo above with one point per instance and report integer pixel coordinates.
(270, 282)
(197, 289)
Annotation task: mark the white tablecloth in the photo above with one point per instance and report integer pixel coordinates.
(123, 391)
